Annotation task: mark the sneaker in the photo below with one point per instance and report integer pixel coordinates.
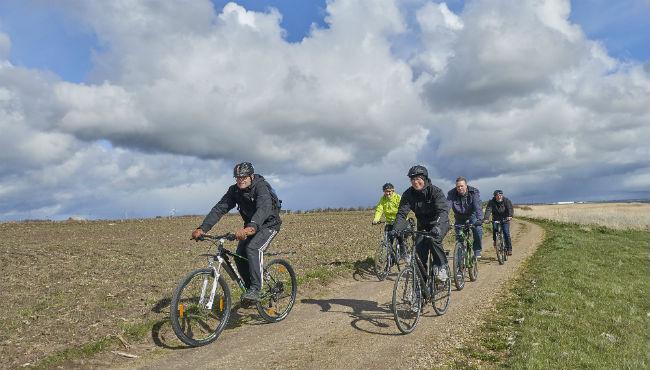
(477, 254)
(252, 295)
(442, 275)
(509, 252)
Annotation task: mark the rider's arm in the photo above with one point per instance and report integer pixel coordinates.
(378, 211)
(264, 206)
(222, 207)
(442, 206)
(488, 211)
(478, 207)
(402, 212)
(510, 208)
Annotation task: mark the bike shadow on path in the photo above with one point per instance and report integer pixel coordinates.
(363, 312)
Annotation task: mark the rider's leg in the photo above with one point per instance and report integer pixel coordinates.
(506, 236)
(477, 232)
(495, 228)
(242, 264)
(255, 254)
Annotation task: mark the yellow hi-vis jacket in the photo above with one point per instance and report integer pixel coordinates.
(388, 206)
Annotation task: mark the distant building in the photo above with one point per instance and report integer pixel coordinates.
(564, 202)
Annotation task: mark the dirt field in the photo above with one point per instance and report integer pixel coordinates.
(613, 215)
(68, 284)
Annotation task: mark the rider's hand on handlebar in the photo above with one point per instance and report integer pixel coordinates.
(198, 233)
(486, 221)
(243, 233)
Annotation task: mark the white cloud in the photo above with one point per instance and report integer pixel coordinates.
(508, 93)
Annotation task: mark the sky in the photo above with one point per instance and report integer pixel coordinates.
(119, 109)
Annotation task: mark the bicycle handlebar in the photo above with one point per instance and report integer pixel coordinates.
(227, 236)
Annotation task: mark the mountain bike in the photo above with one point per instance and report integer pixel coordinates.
(202, 301)
(388, 253)
(502, 255)
(464, 259)
(412, 290)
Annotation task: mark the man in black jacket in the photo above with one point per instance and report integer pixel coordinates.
(255, 202)
(501, 209)
(432, 213)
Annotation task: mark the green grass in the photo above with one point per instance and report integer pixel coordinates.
(85, 351)
(581, 302)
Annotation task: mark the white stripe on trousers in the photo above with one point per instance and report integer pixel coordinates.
(261, 252)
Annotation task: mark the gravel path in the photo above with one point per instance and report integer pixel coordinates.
(350, 324)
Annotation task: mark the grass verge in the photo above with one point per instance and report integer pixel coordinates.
(581, 302)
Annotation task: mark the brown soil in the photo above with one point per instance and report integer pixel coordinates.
(350, 324)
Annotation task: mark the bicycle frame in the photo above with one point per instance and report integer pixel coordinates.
(421, 270)
(468, 240)
(222, 259)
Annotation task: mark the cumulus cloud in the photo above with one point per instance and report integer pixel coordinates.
(508, 93)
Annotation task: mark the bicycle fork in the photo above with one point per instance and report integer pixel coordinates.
(215, 283)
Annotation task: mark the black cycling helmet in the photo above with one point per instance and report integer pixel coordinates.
(243, 169)
(387, 186)
(497, 192)
(418, 171)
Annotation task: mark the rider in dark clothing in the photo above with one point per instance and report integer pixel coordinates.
(465, 200)
(432, 213)
(252, 197)
(501, 210)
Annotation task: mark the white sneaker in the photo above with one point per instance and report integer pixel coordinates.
(442, 275)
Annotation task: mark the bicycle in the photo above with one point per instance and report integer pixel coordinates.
(464, 258)
(411, 291)
(202, 301)
(502, 255)
(388, 254)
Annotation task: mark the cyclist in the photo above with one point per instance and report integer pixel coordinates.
(501, 209)
(388, 204)
(465, 200)
(432, 213)
(252, 196)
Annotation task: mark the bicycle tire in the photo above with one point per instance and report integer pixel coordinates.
(279, 291)
(441, 294)
(459, 265)
(407, 300)
(473, 269)
(192, 322)
(501, 252)
(382, 261)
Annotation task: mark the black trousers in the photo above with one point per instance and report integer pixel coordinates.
(253, 248)
(424, 245)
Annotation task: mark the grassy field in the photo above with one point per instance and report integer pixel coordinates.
(71, 288)
(581, 302)
(613, 215)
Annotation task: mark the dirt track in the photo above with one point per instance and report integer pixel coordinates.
(350, 324)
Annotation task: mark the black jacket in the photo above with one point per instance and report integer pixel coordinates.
(498, 210)
(254, 203)
(429, 204)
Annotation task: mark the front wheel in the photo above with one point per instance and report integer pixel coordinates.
(442, 294)
(382, 261)
(459, 266)
(279, 290)
(473, 268)
(200, 307)
(501, 251)
(407, 300)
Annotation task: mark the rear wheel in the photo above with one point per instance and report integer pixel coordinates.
(459, 266)
(200, 308)
(407, 300)
(279, 291)
(442, 293)
(382, 261)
